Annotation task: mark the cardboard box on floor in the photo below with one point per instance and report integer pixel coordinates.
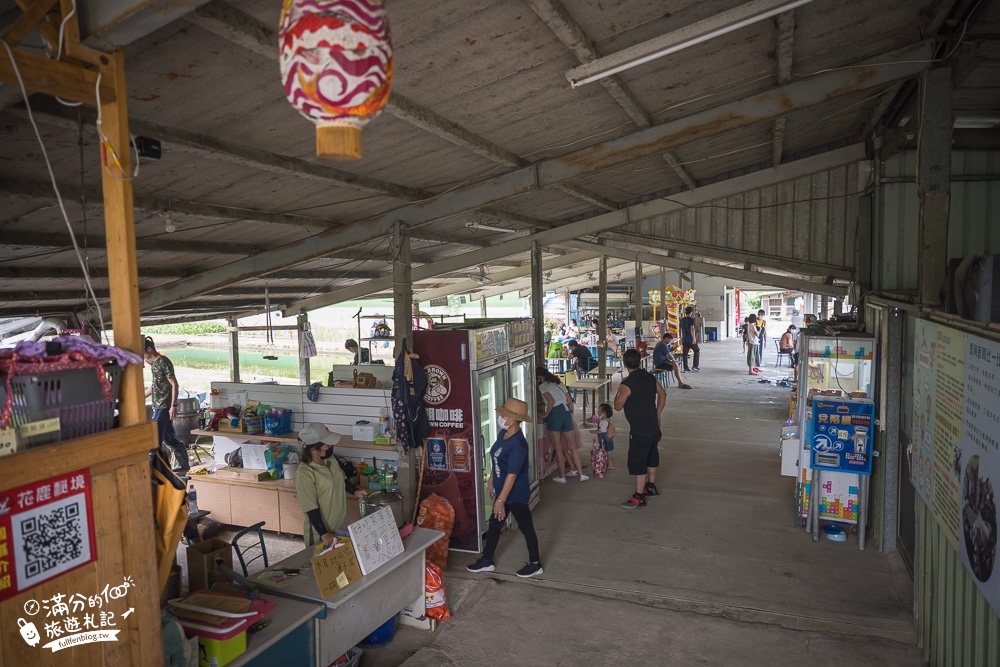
(201, 558)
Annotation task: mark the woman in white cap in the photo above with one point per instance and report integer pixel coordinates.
(510, 489)
(321, 486)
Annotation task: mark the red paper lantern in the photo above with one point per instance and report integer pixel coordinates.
(336, 67)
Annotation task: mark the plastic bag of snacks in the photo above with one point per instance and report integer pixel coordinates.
(437, 513)
(435, 601)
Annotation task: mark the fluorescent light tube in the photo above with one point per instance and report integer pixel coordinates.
(672, 42)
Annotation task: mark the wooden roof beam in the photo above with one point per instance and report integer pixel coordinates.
(566, 29)
(718, 270)
(805, 93)
(786, 33)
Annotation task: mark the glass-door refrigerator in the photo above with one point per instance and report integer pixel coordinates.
(521, 338)
(467, 369)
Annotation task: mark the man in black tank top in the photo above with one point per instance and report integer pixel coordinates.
(643, 399)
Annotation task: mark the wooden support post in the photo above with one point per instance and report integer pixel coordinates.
(637, 298)
(234, 349)
(130, 488)
(402, 289)
(304, 376)
(934, 136)
(537, 299)
(602, 321)
(119, 229)
(863, 252)
(663, 298)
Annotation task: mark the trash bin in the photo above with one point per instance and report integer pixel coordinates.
(712, 333)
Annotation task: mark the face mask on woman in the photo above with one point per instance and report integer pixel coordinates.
(503, 423)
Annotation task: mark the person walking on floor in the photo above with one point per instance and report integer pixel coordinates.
(762, 337)
(753, 348)
(642, 398)
(510, 489)
(164, 391)
(689, 339)
(664, 361)
(558, 416)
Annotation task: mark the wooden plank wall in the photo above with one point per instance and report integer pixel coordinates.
(118, 463)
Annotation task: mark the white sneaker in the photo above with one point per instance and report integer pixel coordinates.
(573, 473)
(583, 478)
(559, 480)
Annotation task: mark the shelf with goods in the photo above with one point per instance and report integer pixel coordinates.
(380, 324)
(293, 437)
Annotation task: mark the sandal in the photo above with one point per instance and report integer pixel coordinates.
(684, 386)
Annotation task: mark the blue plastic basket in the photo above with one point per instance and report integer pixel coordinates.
(382, 636)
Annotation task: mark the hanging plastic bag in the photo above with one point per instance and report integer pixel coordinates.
(435, 601)
(308, 347)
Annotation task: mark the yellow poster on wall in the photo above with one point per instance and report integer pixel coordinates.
(949, 404)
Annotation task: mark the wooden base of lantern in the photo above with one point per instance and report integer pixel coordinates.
(338, 142)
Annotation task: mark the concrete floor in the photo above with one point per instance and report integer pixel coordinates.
(712, 572)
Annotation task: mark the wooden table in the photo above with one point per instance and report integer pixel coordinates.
(589, 385)
(359, 609)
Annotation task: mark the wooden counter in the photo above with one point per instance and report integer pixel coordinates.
(241, 502)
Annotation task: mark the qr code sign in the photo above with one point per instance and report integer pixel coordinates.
(52, 539)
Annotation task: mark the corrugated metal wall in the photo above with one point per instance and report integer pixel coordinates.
(811, 218)
(956, 624)
(975, 215)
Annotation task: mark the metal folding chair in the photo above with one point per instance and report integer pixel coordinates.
(241, 551)
(777, 348)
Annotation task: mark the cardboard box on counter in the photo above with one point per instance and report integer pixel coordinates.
(230, 425)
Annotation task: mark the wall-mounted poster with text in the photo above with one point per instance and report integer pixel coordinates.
(980, 466)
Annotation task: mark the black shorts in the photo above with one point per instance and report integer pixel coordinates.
(642, 453)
